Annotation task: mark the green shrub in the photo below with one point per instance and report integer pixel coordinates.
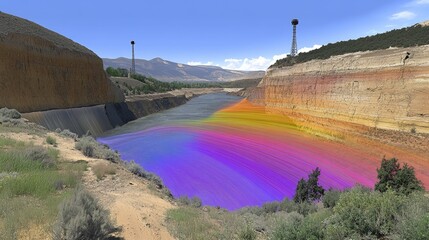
(339, 232)
(413, 220)
(87, 146)
(91, 148)
(298, 227)
(117, 72)
(51, 141)
(331, 198)
(247, 233)
(139, 171)
(186, 201)
(40, 154)
(196, 202)
(368, 213)
(271, 207)
(287, 229)
(8, 114)
(102, 169)
(134, 168)
(313, 226)
(108, 154)
(306, 208)
(288, 205)
(67, 133)
(82, 217)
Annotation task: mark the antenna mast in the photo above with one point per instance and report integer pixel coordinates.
(294, 49)
(133, 61)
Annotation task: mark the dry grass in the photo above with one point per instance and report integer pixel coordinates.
(102, 169)
(33, 183)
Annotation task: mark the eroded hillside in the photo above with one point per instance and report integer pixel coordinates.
(386, 89)
(43, 70)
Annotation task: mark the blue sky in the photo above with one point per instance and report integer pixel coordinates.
(236, 34)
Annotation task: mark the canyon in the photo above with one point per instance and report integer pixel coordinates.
(98, 119)
(59, 83)
(384, 89)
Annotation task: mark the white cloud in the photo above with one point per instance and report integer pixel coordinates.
(253, 64)
(279, 56)
(422, 2)
(403, 15)
(247, 64)
(308, 49)
(192, 63)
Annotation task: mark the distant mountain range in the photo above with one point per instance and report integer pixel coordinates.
(168, 71)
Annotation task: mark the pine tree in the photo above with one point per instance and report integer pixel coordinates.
(315, 191)
(310, 190)
(386, 174)
(301, 193)
(392, 176)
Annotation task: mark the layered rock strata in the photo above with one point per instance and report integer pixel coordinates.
(387, 89)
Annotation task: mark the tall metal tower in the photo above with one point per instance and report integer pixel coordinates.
(294, 49)
(133, 61)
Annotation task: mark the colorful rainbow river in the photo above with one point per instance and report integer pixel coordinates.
(241, 156)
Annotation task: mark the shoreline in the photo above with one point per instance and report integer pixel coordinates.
(101, 118)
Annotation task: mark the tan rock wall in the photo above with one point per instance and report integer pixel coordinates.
(35, 75)
(378, 89)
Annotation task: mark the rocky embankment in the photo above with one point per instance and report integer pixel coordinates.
(42, 70)
(100, 118)
(386, 89)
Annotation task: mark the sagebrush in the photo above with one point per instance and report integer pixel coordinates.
(82, 217)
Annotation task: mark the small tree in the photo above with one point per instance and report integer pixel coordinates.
(310, 190)
(391, 176)
(386, 174)
(112, 72)
(315, 191)
(301, 193)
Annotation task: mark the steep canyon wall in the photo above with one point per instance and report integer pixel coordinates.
(42, 70)
(387, 89)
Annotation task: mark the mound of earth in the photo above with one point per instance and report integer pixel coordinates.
(42, 70)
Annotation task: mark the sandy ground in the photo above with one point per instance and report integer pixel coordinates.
(139, 210)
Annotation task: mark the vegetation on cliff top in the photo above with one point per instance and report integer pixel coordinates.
(152, 85)
(416, 35)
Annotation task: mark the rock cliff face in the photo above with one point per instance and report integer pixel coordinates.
(387, 89)
(42, 70)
